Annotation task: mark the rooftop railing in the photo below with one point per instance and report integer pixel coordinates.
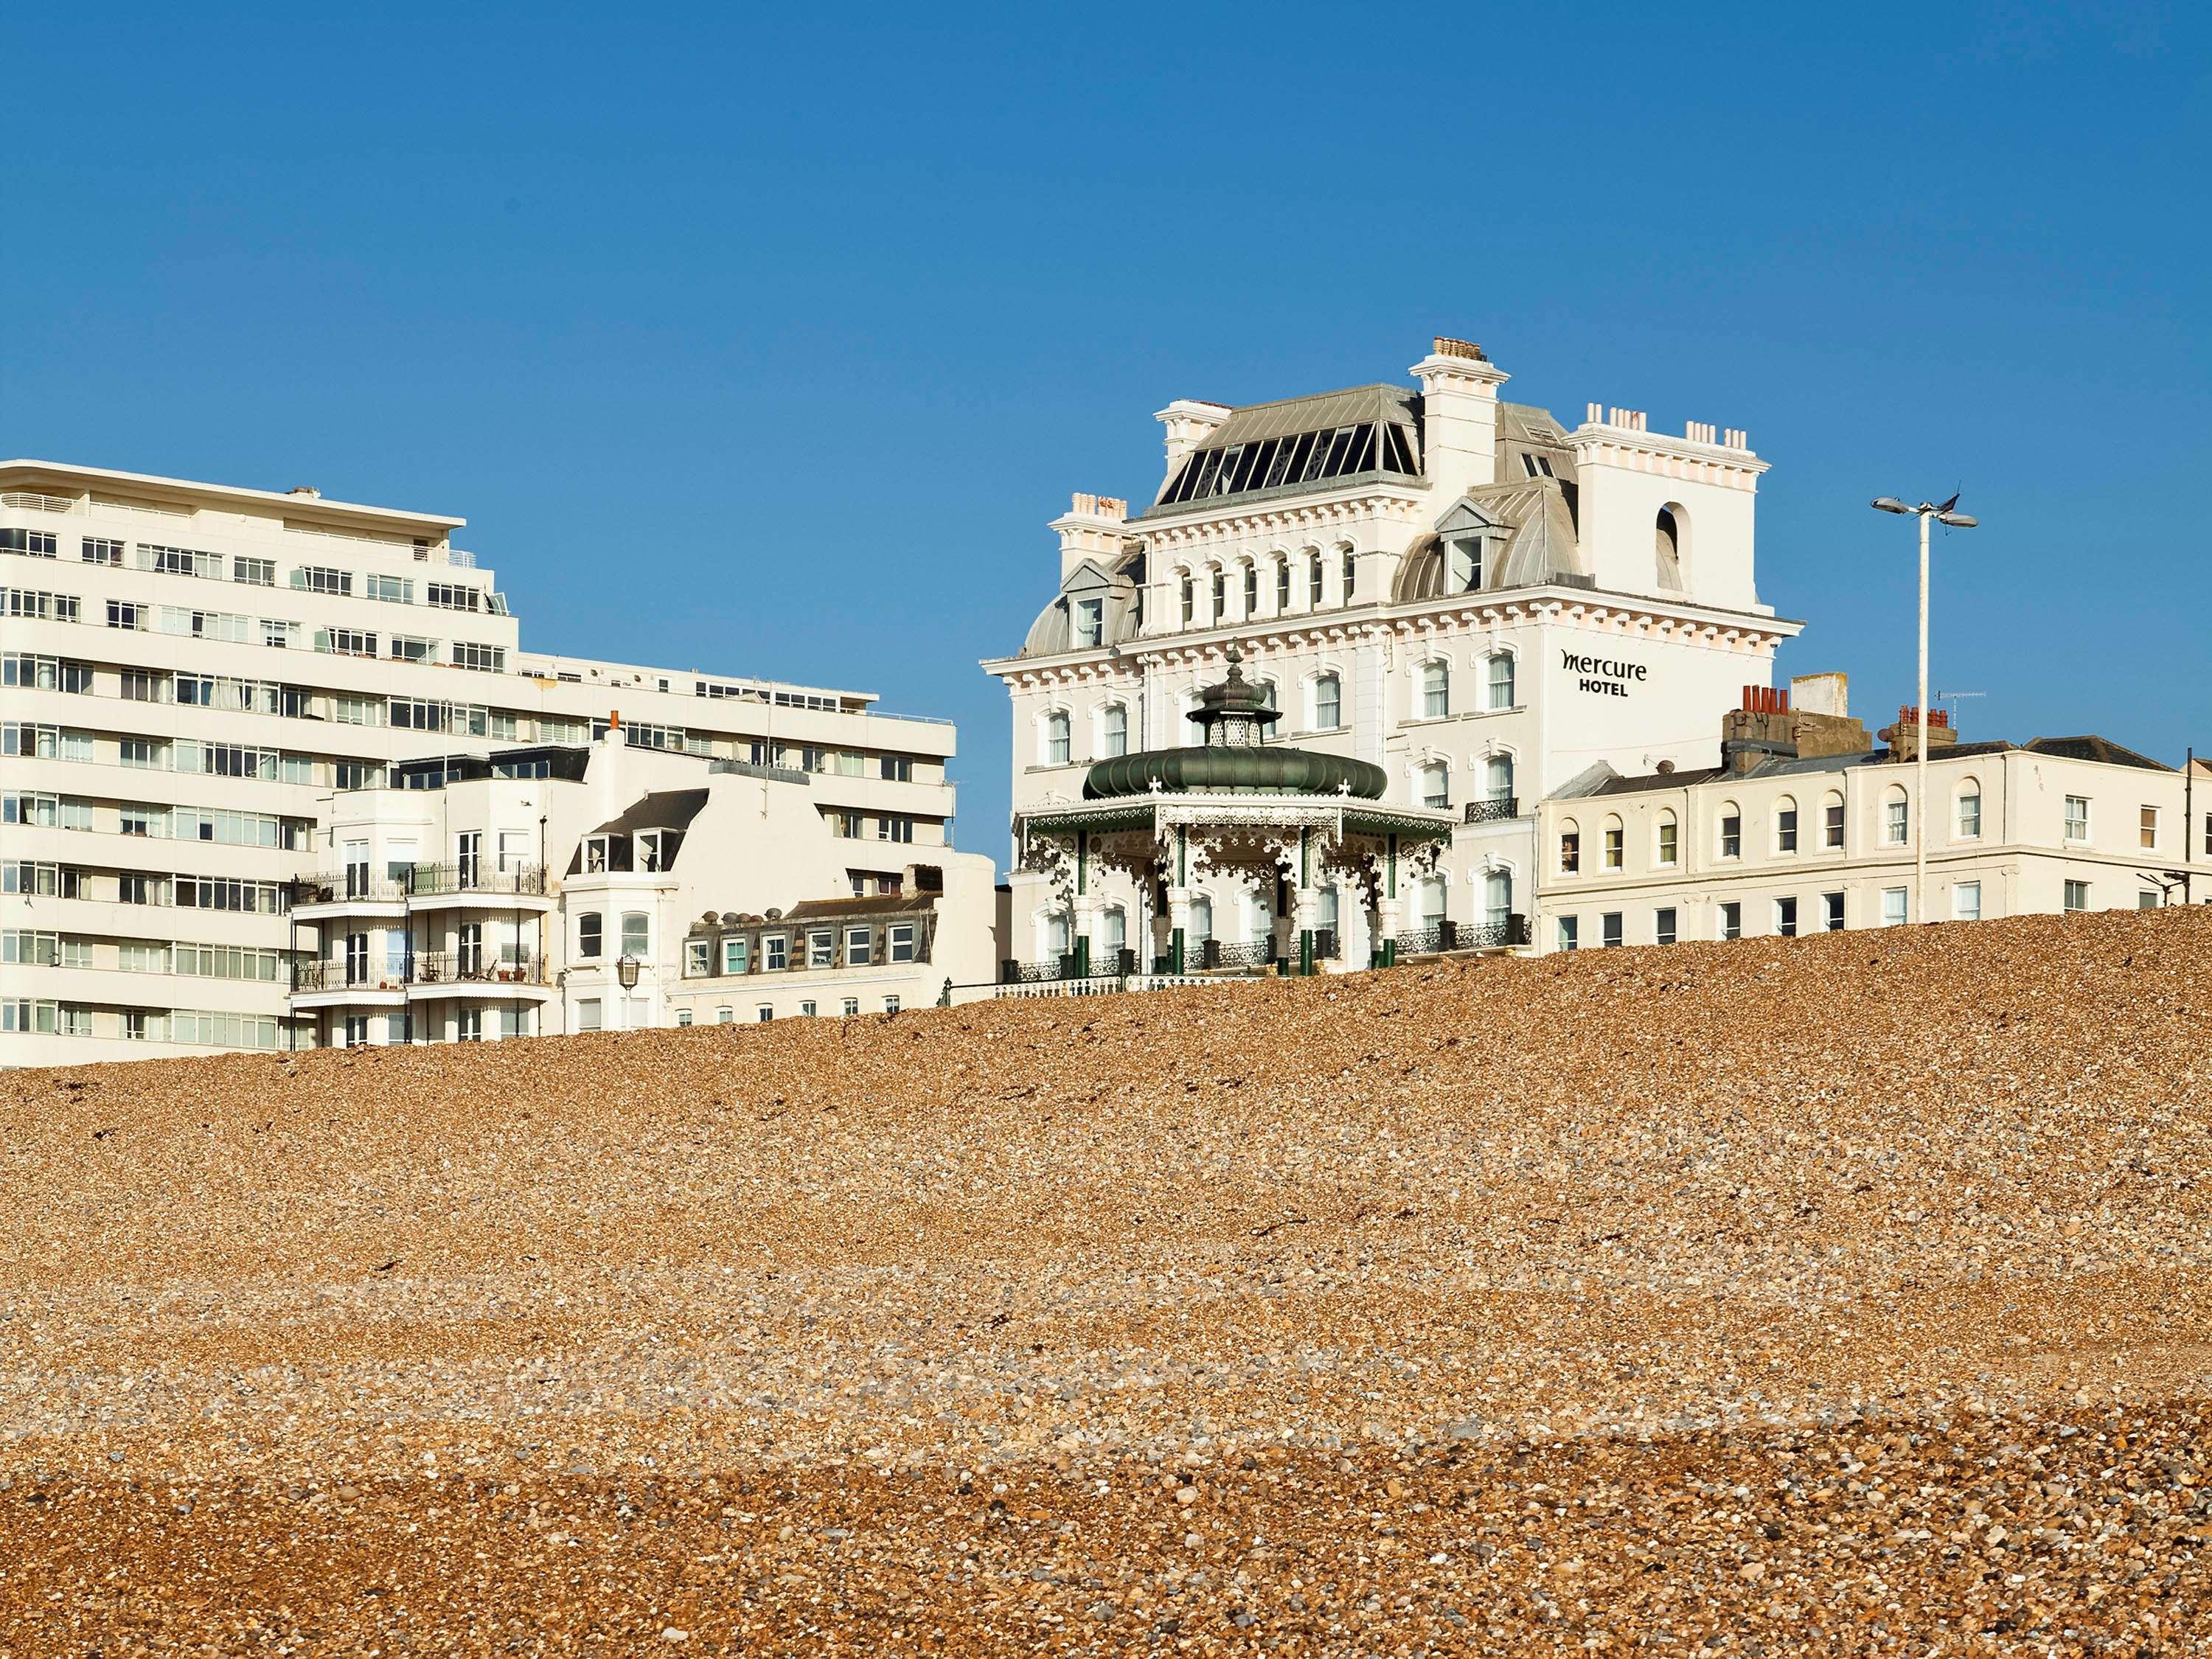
(359, 883)
(487, 967)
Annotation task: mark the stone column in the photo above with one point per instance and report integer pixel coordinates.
(1178, 926)
(1303, 917)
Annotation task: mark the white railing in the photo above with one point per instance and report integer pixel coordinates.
(38, 503)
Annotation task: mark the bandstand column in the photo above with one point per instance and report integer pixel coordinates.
(1179, 899)
(1386, 908)
(1305, 901)
(1087, 907)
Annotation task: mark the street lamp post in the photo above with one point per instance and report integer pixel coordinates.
(626, 976)
(1945, 512)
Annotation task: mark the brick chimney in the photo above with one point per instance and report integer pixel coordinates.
(1093, 527)
(1766, 727)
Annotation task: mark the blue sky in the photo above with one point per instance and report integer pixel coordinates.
(768, 343)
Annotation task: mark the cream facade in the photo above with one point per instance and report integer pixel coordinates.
(1779, 845)
(193, 676)
(1460, 590)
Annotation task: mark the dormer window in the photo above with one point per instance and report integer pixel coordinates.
(1089, 623)
(1464, 553)
(1538, 467)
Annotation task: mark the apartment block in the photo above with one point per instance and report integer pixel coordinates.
(193, 677)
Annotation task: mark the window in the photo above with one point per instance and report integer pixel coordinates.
(450, 597)
(1221, 594)
(346, 641)
(894, 827)
(1663, 925)
(40, 606)
(1570, 927)
(737, 954)
(894, 768)
(1831, 912)
(1731, 919)
(1536, 465)
(279, 635)
(775, 953)
(589, 927)
(468, 1026)
(1895, 906)
(485, 658)
(890, 1005)
(764, 1013)
(1832, 825)
(256, 572)
(321, 579)
(1610, 930)
(1436, 689)
(1463, 557)
(820, 948)
(392, 590)
(98, 550)
(1785, 917)
(406, 648)
(1282, 585)
(1571, 851)
(1329, 703)
(726, 1016)
(900, 937)
(1969, 813)
(2149, 827)
(1497, 778)
(587, 1014)
(1501, 680)
(1089, 623)
(1785, 825)
(124, 613)
(1615, 845)
(698, 957)
(1189, 599)
(1056, 739)
(1896, 820)
(1114, 737)
(860, 946)
(1668, 841)
(1251, 590)
(1966, 901)
(1313, 582)
(683, 1017)
(852, 1007)
(2077, 817)
(2077, 894)
(1350, 575)
(1731, 823)
(1436, 787)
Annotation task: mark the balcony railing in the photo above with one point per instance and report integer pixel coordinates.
(424, 968)
(1448, 935)
(1495, 809)
(359, 883)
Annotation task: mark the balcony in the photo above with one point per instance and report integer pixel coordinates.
(1495, 809)
(470, 972)
(1446, 937)
(358, 884)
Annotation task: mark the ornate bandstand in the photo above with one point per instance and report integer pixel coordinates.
(1281, 820)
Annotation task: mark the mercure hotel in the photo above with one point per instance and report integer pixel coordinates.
(1469, 593)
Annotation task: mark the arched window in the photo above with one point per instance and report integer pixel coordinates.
(1189, 599)
(1970, 810)
(1283, 585)
(1498, 897)
(1259, 919)
(1665, 849)
(1313, 581)
(1350, 574)
(1327, 909)
(1056, 744)
(1616, 844)
(1267, 694)
(1251, 589)
(1666, 536)
(1501, 680)
(1113, 734)
(1436, 689)
(1729, 823)
(1221, 594)
(1785, 825)
(1201, 918)
(1832, 823)
(1114, 931)
(1432, 901)
(1059, 935)
(1497, 777)
(1570, 848)
(1328, 703)
(1896, 818)
(1436, 785)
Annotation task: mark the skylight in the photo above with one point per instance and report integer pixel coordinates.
(1300, 458)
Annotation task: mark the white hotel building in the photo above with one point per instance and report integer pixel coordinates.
(1460, 590)
(195, 677)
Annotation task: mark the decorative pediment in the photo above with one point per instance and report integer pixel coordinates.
(1086, 581)
(1467, 519)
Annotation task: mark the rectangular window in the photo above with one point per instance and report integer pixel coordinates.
(587, 1014)
(737, 954)
(256, 572)
(1501, 681)
(407, 647)
(1785, 830)
(589, 932)
(2077, 817)
(636, 934)
(1832, 826)
(1668, 839)
(2148, 899)
(126, 613)
(1570, 931)
(1731, 834)
(776, 953)
(897, 827)
(346, 641)
(763, 1013)
(820, 948)
(1089, 623)
(1785, 917)
(899, 768)
(392, 590)
(1894, 907)
(448, 596)
(1221, 594)
(2148, 827)
(1329, 703)
(698, 957)
(1896, 823)
(1663, 925)
(2077, 894)
(683, 1016)
(851, 1006)
(1609, 929)
(900, 936)
(1436, 690)
(1570, 852)
(860, 946)
(1966, 901)
(1613, 848)
(1970, 815)
(178, 562)
(279, 635)
(321, 579)
(40, 606)
(1831, 912)
(1732, 918)
(99, 549)
(33, 544)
